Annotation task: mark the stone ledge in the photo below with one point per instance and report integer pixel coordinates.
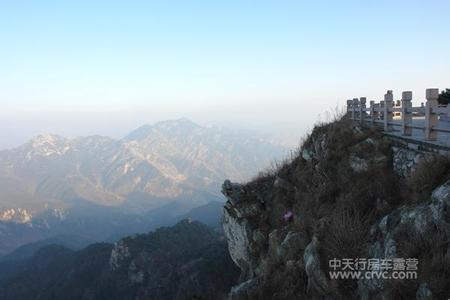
(422, 146)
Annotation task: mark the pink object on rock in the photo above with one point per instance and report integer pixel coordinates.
(288, 216)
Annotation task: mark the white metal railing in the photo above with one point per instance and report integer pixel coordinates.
(384, 112)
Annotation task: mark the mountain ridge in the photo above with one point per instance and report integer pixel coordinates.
(53, 184)
(166, 159)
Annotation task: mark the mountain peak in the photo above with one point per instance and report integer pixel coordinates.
(47, 144)
(178, 123)
(48, 138)
(183, 124)
(173, 122)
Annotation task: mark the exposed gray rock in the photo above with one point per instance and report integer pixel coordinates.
(238, 234)
(316, 149)
(423, 292)
(259, 238)
(416, 220)
(317, 280)
(361, 159)
(249, 210)
(293, 244)
(135, 275)
(306, 154)
(274, 240)
(405, 160)
(232, 191)
(358, 164)
(369, 141)
(119, 253)
(440, 206)
(282, 184)
(245, 291)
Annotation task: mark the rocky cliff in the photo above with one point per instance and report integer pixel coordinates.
(338, 198)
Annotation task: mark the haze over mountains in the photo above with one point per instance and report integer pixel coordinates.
(96, 186)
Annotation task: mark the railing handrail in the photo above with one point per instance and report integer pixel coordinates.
(383, 113)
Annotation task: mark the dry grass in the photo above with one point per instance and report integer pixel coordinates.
(431, 172)
(329, 199)
(432, 250)
(284, 284)
(346, 233)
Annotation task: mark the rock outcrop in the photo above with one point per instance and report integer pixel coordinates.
(414, 223)
(343, 199)
(405, 160)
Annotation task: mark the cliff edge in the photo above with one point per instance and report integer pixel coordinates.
(338, 198)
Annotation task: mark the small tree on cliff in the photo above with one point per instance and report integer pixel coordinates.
(444, 97)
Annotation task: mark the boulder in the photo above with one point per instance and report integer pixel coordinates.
(317, 280)
(233, 191)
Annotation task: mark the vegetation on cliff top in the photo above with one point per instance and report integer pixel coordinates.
(338, 185)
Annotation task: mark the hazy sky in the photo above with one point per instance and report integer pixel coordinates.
(106, 67)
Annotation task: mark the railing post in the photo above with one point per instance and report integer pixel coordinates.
(397, 104)
(377, 110)
(388, 104)
(349, 107)
(362, 109)
(431, 116)
(355, 106)
(372, 112)
(406, 113)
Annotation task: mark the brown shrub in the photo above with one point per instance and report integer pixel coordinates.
(345, 236)
(328, 198)
(284, 283)
(346, 233)
(431, 172)
(432, 250)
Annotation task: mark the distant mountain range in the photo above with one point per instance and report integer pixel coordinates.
(99, 186)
